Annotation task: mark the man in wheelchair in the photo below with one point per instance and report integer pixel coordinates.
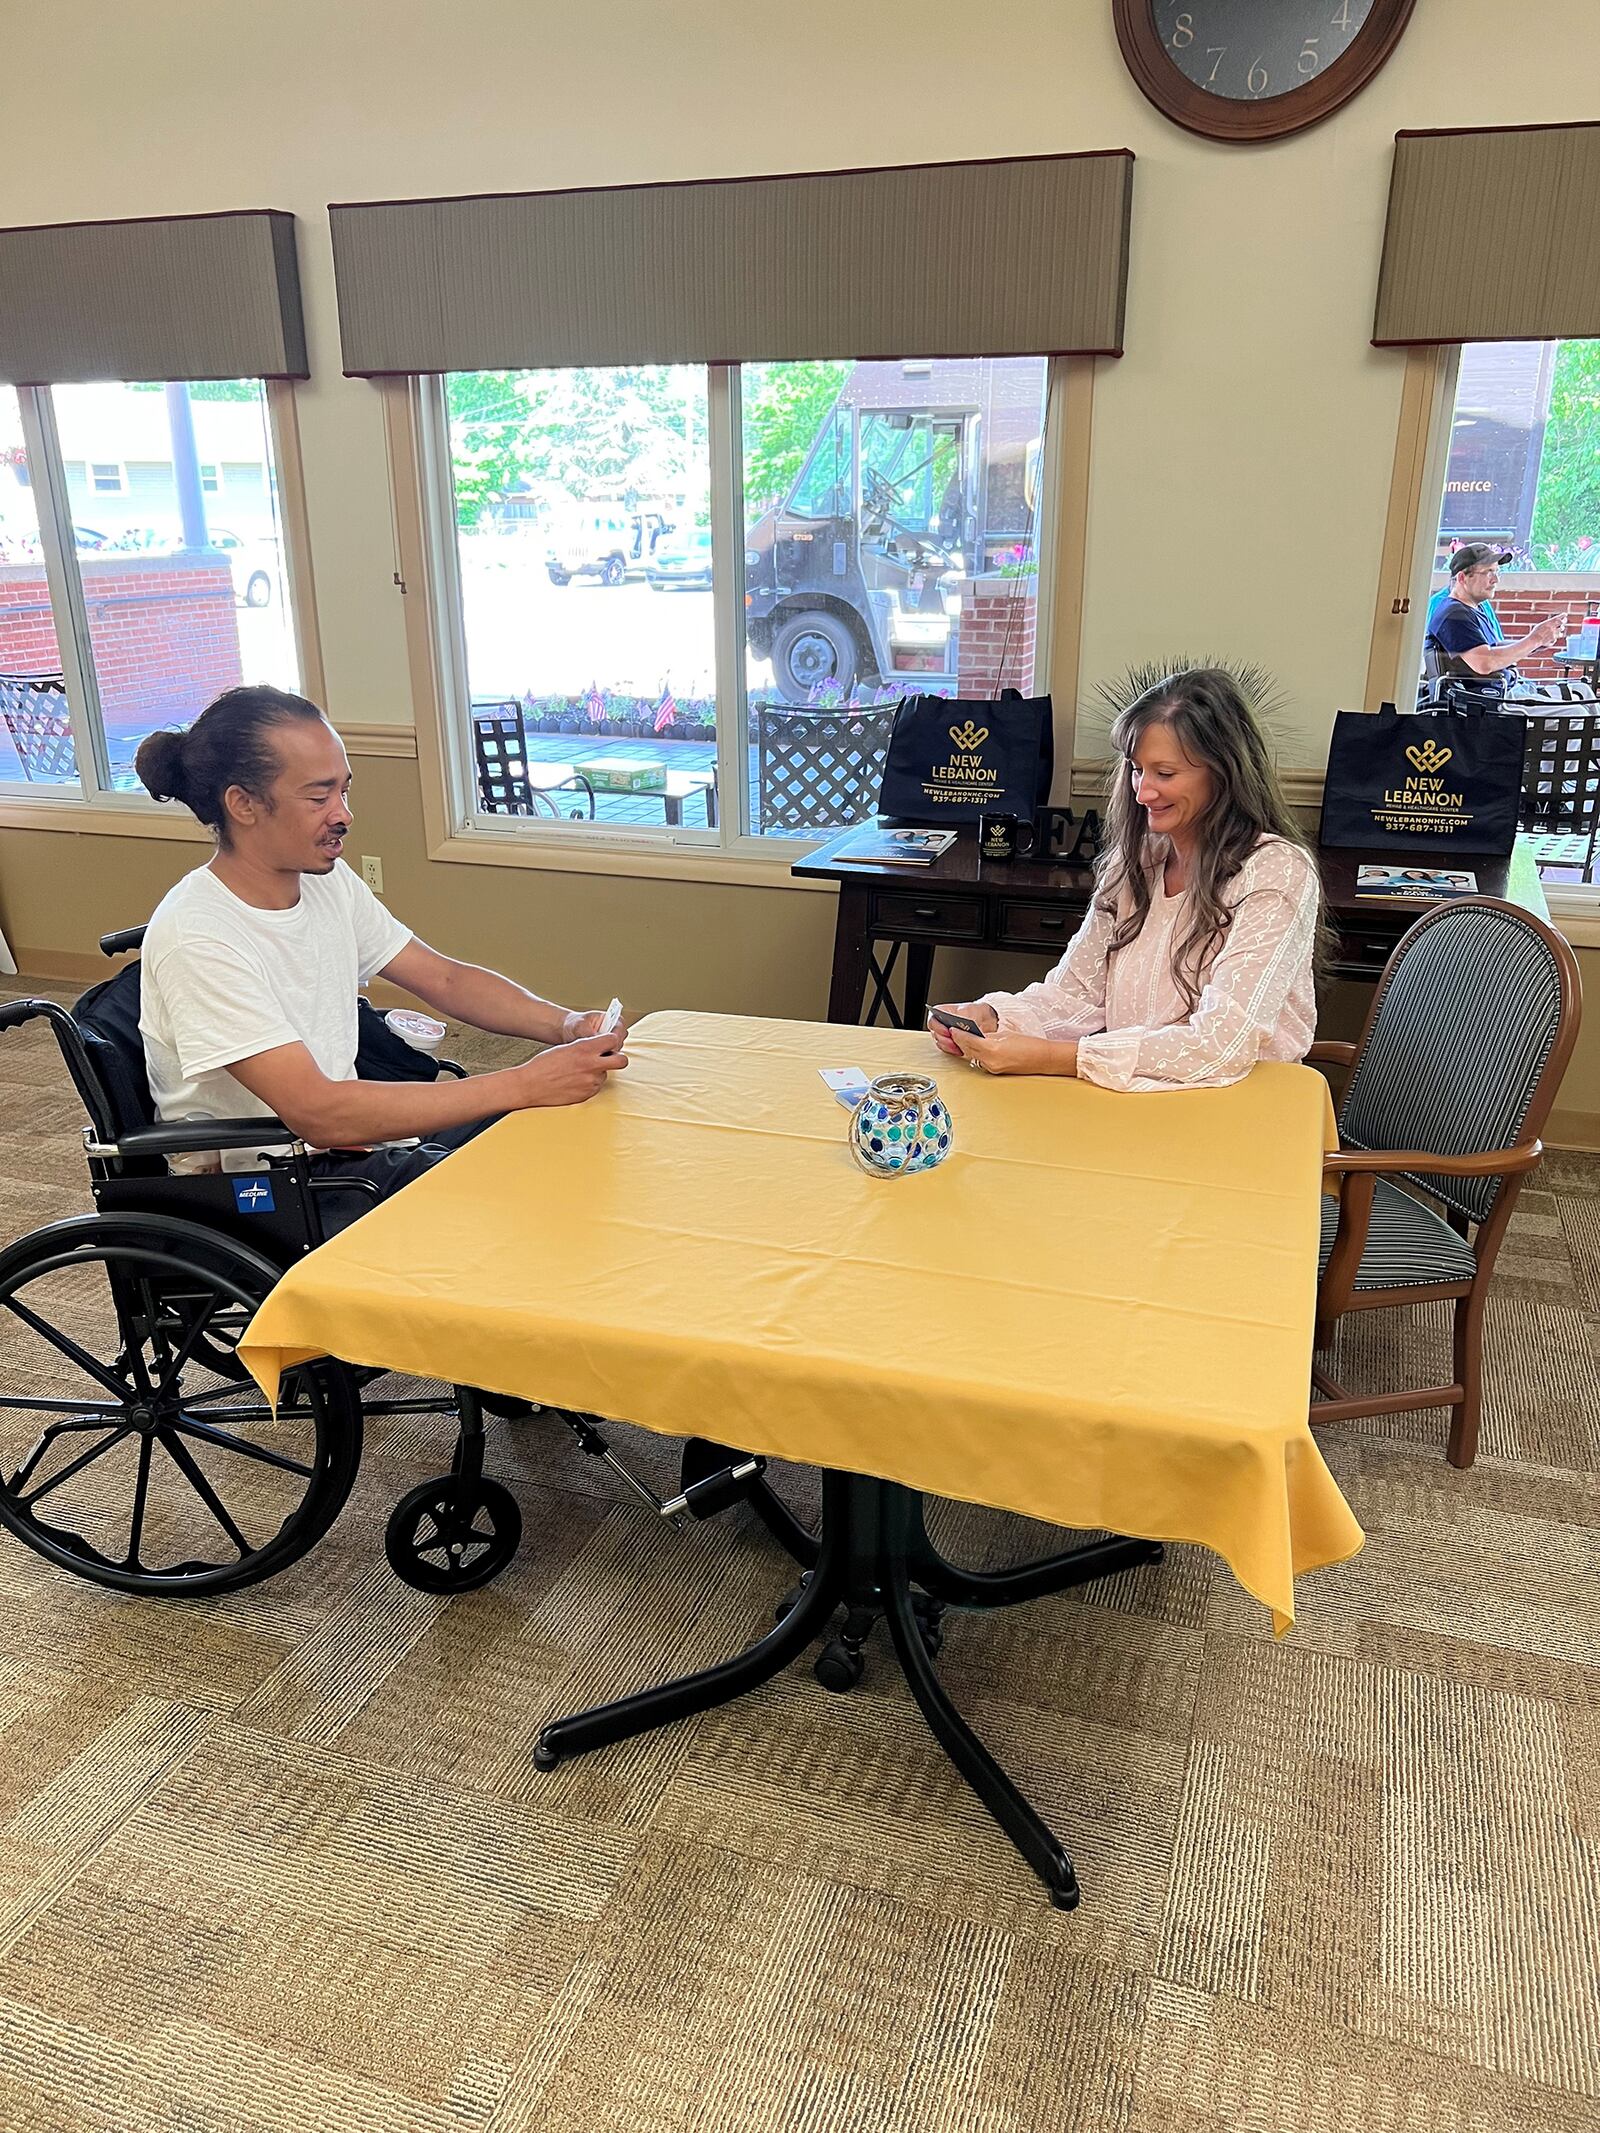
(134, 1449)
(252, 964)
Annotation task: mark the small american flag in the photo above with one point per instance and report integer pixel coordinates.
(594, 704)
(666, 710)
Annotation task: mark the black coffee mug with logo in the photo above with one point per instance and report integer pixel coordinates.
(1006, 836)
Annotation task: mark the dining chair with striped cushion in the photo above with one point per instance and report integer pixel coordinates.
(1466, 1041)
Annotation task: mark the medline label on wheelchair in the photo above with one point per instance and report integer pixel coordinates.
(253, 1196)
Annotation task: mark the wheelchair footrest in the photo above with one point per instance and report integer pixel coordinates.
(704, 1499)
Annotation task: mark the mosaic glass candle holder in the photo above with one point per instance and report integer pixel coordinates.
(900, 1125)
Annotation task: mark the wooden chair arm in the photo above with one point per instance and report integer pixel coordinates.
(1488, 1163)
(1327, 1052)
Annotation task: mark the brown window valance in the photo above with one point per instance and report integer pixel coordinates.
(1493, 235)
(172, 296)
(1022, 256)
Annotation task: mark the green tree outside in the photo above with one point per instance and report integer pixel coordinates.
(627, 433)
(1566, 515)
(234, 389)
(785, 404)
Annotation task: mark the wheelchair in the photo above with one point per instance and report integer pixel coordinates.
(135, 1449)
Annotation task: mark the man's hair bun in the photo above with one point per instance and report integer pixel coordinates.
(158, 762)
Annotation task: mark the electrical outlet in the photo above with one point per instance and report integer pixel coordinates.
(372, 872)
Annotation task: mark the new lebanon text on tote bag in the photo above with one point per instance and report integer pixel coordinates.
(951, 760)
(1423, 785)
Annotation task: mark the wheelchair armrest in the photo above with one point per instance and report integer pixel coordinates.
(120, 943)
(15, 1012)
(452, 1066)
(196, 1136)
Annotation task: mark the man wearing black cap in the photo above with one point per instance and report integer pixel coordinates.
(1465, 628)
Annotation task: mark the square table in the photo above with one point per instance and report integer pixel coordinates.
(1097, 1312)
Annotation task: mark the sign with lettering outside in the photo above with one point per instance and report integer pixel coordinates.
(1423, 785)
(951, 761)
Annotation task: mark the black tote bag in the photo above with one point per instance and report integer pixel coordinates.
(1423, 786)
(950, 760)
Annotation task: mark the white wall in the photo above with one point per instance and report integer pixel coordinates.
(1243, 445)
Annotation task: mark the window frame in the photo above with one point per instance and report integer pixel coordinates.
(96, 804)
(417, 427)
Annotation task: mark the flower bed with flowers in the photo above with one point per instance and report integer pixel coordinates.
(600, 714)
(607, 715)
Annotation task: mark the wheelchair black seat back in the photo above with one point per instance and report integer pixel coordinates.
(135, 1450)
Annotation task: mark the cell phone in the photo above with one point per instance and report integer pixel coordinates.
(964, 1023)
(610, 1019)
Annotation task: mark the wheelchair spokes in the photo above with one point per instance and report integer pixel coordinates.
(67, 1347)
(162, 1469)
(115, 1433)
(208, 1433)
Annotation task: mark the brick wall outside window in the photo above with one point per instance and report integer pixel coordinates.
(998, 619)
(164, 630)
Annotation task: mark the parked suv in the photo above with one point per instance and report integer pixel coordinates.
(594, 541)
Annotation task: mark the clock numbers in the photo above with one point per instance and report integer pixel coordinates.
(1255, 50)
(1256, 70)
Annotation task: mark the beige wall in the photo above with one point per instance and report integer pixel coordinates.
(1242, 447)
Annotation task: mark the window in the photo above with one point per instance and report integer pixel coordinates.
(613, 670)
(139, 604)
(1523, 473)
(106, 478)
(35, 732)
(1525, 456)
(210, 478)
(578, 504)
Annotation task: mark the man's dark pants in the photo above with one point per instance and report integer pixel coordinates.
(386, 1168)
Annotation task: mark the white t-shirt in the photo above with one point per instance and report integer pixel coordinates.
(221, 980)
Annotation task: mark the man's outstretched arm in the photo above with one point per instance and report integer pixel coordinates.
(355, 1114)
(463, 992)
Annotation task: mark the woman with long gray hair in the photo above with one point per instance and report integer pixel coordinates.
(1198, 954)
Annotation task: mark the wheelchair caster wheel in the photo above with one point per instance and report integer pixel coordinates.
(839, 1666)
(545, 1758)
(791, 1599)
(930, 1623)
(452, 1535)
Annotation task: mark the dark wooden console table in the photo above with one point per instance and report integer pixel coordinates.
(962, 901)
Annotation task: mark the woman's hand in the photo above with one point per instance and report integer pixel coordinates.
(975, 1011)
(1012, 1053)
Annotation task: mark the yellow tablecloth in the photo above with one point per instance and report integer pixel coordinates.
(1097, 1311)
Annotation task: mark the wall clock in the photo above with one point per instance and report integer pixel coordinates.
(1254, 70)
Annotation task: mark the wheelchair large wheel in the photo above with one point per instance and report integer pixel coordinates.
(134, 1451)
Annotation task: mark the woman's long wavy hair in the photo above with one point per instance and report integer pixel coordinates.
(1215, 727)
